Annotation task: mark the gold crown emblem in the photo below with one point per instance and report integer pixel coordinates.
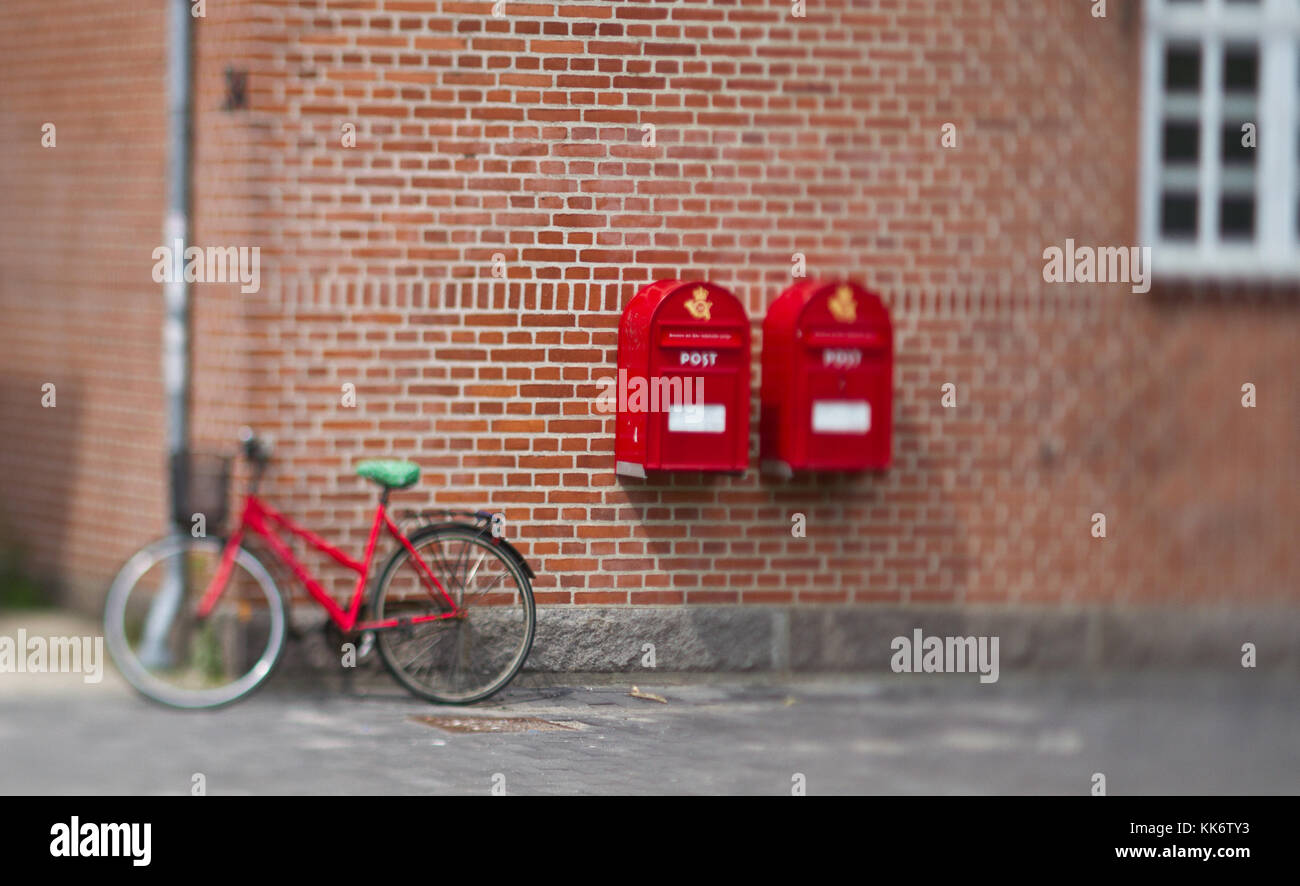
(698, 305)
(844, 307)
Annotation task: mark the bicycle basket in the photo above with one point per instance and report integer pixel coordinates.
(202, 484)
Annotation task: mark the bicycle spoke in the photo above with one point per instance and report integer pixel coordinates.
(460, 561)
(473, 572)
(495, 581)
(443, 564)
(437, 637)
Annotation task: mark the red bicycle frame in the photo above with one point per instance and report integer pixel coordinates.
(263, 520)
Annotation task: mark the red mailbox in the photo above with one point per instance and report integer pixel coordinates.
(683, 381)
(828, 380)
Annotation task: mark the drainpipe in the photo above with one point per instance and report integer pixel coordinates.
(176, 321)
(176, 292)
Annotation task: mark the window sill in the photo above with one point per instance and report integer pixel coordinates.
(1176, 262)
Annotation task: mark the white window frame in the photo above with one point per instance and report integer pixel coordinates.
(1275, 27)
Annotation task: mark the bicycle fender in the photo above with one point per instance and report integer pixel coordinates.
(519, 558)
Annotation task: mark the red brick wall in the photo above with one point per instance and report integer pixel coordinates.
(775, 135)
(78, 223)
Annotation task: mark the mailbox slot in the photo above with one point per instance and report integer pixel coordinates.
(831, 338)
(689, 338)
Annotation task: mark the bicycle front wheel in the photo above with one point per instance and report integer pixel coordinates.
(171, 655)
(455, 660)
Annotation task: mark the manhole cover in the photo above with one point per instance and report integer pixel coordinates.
(498, 724)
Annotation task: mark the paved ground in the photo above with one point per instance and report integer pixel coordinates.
(921, 734)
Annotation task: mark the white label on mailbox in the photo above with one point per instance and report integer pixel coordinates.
(841, 416)
(703, 418)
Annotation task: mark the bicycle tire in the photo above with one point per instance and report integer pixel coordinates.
(134, 670)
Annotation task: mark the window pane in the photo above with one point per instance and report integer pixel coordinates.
(1182, 141)
(1183, 68)
(1237, 218)
(1178, 215)
(1241, 69)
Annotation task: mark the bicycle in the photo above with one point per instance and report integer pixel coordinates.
(201, 622)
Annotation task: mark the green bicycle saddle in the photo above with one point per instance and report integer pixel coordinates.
(389, 473)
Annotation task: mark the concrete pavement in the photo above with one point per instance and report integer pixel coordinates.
(1181, 733)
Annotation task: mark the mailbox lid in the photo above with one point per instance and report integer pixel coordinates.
(838, 306)
(696, 306)
(818, 314)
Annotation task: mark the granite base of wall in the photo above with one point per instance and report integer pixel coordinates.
(859, 639)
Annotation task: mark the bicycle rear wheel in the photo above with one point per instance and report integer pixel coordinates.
(166, 651)
(455, 660)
